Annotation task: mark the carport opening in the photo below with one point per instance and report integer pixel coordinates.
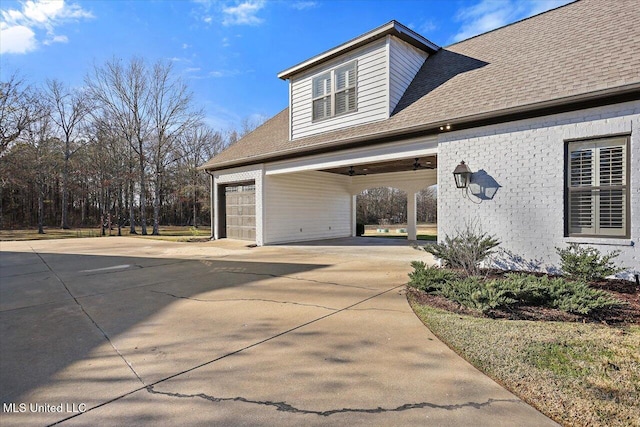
(382, 212)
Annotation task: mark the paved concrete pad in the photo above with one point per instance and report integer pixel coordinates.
(153, 332)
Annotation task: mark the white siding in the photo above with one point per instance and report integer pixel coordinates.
(404, 63)
(526, 158)
(372, 72)
(306, 206)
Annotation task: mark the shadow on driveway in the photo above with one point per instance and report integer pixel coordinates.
(64, 321)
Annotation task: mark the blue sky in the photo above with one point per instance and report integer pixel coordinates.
(229, 51)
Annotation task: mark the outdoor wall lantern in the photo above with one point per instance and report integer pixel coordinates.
(462, 175)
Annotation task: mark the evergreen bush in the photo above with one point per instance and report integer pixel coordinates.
(515, 289)
(429, 279)
(466, 250)
(587, 263)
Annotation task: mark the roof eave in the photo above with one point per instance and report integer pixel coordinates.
(393, 28)
(609, 96)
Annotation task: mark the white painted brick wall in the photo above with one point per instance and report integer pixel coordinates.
(526, 158)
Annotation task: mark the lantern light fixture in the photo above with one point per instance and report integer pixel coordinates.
(462, 175)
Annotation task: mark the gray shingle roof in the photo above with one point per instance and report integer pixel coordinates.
(586, 47)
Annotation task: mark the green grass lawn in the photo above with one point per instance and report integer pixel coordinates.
(50, 233)
(173, 233)
(428, 237)
(578, 374)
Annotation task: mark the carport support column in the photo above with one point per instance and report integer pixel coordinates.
(212, 207)
(412, 228)
(354, 209)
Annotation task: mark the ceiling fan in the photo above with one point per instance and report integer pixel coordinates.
(352, 171)
(417, 165)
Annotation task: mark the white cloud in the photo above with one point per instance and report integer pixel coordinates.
(488, 15)
(302, 5)
(244, 13)
(22, 29)
(56, 39)
(226, 73)
(16, 39)
(216, 74)
(427, 26)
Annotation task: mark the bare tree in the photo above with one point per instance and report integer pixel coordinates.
(122, 90)
(172, 115)
(16, 110)
(200, 143)
(389, 206)
(41, 151)
(68, 110)
(249, 124)
(384, 205)
(108, 154)
(140, 140)
(427, 205)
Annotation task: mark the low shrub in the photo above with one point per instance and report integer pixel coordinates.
(466, 250)
(516, 289)
(526, 288)
(587, 263)
(577, 297)
(477, 294)
(429, 279)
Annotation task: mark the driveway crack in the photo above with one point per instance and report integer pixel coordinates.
(300, 279)
(102, 331)
(285, 407)
(243, 299)
(224, 356)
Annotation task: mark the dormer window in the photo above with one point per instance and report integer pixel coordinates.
(334, 92)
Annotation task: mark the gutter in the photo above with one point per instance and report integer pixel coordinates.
(619, 94)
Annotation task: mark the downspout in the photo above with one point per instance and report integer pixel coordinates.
(211, 204)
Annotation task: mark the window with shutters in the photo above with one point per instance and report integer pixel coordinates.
(598, 188)
(335, 92)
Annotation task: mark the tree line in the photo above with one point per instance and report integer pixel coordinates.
(124, 148)
(387, 205)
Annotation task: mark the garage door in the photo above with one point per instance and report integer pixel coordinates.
(241, 212)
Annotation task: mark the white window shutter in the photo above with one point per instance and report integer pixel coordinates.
(597, 185)
(340, 98)
(322, 85)
(612, 202)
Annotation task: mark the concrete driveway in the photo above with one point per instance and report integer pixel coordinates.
(126, 331)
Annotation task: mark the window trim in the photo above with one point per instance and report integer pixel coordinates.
(332, 94)
(627, 187)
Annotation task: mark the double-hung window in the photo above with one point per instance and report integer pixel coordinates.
(335, 92)
(598, 188)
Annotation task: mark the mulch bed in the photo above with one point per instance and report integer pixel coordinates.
(624, 290)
